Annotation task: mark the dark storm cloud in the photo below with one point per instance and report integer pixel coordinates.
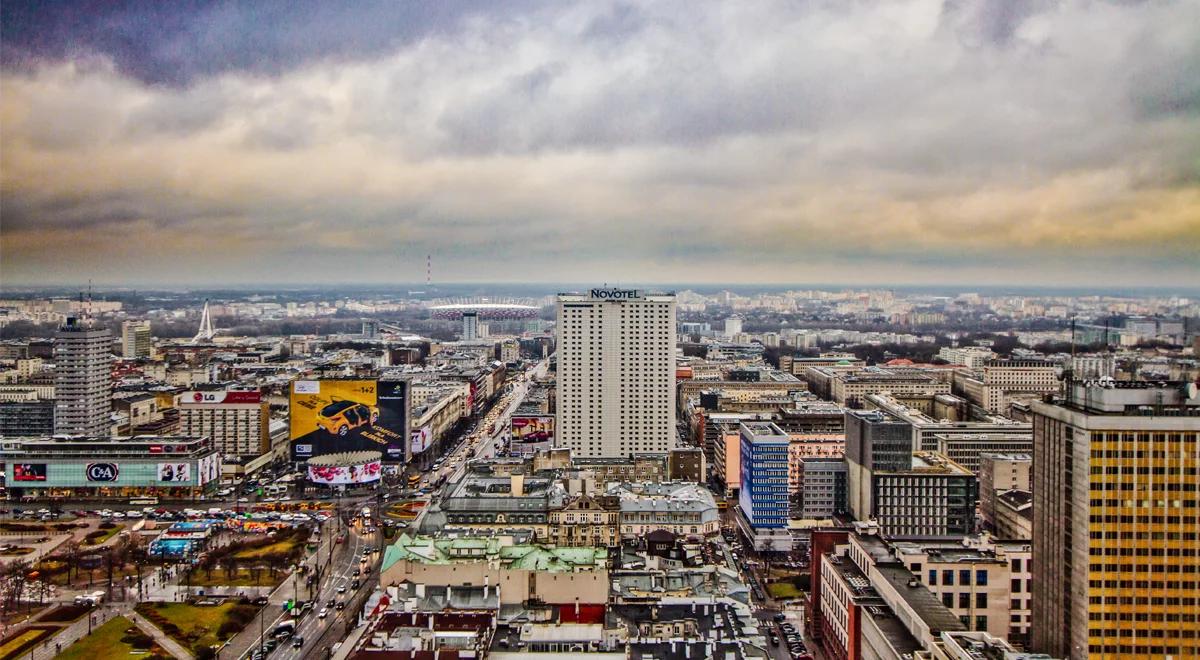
(176, 42)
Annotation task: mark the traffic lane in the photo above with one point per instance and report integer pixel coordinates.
(326, 587)
(312, 627)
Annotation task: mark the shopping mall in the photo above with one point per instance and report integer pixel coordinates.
(61, 468)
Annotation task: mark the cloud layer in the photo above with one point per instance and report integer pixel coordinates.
(1021, 141)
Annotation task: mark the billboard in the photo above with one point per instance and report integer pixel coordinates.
(531, 434)
(175, 472)
(29, 472)
(345, 474)
(219, 396)
(209, 469)
(333, 416)
(421, 439)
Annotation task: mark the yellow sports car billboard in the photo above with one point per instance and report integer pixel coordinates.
(330, 416)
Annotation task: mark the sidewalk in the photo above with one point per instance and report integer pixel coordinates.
(159, 636)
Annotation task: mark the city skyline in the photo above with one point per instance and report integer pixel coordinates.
(907, 143)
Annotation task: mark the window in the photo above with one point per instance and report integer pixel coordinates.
(948, 578)
(980, 601)
(964, 577)
(964, 600)
(981, 578)
(933, 578)
(981, 623)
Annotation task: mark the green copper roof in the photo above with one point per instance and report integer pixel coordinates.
(534, 557)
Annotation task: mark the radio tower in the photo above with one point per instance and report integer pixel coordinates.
(428, 271)
(206, 329)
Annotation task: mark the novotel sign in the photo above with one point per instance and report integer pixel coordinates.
(616, 294)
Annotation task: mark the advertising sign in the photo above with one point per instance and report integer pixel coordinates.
(29, 472)
(102, 471)
(421, 439)
(345, 474)
(175, 472)
(616, 294)
(531, 434)
(332, 416)
(219, 396)
(209, 468)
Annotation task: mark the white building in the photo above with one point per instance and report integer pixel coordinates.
(733, 326)
(616, 372)
(968, 356)
(82, 380)
(135, 339)
(470, 329)
(236, 421)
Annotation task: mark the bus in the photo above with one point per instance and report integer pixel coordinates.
(144, 501)
(414, 480)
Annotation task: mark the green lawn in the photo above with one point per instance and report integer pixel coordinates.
(278, 549)
(198, 626)
(243, 578)
(15, 646)
(108, 534)
(783, 590)
(104, 642)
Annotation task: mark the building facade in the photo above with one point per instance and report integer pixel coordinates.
(136, 341)
(616, 373)
(1116, 521)
(238, 422)
(82, 380)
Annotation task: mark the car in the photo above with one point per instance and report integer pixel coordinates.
(356, 573)
(270, 645)
(340, 606)
(331, 603)
(341, 589)
(342, 415)
(297, 642)
(355, 584)
(367, 570)
(323, 613)
(781, 617)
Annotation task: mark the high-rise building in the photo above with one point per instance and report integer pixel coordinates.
(764, 495)
(470, 327)
(82, 380)
(135, 340)
(1116, 522)
(733, 326)
(874, 441)
(616, 372)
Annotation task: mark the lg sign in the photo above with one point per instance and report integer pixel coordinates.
(223, 397)
(102, 472)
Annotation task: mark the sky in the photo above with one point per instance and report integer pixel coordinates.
(908, 142)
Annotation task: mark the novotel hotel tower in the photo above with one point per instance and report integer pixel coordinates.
(616, 372)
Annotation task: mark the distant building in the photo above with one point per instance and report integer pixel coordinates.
(733, 326)
(136, 341)
(967, 356)
(82, 380)
(470, 326)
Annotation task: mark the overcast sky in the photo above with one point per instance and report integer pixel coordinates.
(958, 141)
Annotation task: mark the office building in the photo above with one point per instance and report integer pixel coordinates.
(763, 497)
(999, 473)
(26, 418)
(470, 326)
(82, 380)
(135, 340)
(874, 441)
(733, 326)
(616, 372)
(1116, 566)
(933, 497)
(820, 491)
(236, 421)
(967, 356)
